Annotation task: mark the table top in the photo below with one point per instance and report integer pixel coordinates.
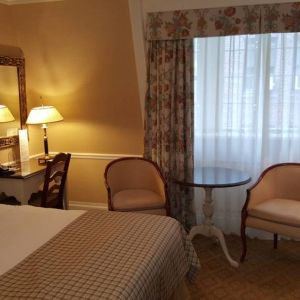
(216, 177)
(26, 170)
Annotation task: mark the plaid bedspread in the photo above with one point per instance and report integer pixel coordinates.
(106, 255)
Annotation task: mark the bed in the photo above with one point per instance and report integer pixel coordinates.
(56, 254)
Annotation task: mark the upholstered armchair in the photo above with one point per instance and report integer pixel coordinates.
(136, 184)
(273, 203)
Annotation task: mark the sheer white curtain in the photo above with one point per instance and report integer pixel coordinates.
(247, 110)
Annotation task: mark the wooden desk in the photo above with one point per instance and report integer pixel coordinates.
(26, 180)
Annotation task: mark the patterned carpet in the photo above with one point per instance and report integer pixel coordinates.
(265, 274)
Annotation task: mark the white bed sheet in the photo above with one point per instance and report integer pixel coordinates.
(20, 235)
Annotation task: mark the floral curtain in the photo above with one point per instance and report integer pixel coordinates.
(169, 119)
(169, 102)
(187, 24)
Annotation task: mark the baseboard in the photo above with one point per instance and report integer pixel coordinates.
(87, 205)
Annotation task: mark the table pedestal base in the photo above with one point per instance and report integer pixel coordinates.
(208, 229)
(213, 231)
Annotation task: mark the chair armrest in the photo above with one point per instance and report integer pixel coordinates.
(258, 194)
(277, 181)
(262, 190)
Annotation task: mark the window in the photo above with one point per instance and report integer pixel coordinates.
(247, 109)
(246, 76)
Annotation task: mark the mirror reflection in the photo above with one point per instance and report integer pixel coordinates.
(9, 96)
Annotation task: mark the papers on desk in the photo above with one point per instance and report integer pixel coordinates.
(23, 142)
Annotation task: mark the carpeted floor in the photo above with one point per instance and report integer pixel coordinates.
(265, 274)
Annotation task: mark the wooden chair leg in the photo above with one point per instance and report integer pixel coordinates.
(244, 242)
(275, 240)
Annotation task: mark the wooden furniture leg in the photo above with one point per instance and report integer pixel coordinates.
(243, 235)
(244, 242)
(275, 240)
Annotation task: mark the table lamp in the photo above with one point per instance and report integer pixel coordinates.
(44, 115)
(5, 114)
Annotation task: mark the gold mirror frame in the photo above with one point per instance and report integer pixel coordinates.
(18, 62)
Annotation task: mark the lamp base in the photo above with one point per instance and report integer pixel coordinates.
(43, 160)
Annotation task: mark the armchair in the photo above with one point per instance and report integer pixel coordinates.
(136, 184)
(273, 203)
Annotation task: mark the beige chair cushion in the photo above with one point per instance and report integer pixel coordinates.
(281, 229)
(284, 211)
(137, 199)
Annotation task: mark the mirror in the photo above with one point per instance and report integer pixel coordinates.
(9, 96)
(13, 95)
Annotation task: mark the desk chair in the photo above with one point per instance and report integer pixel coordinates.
(136, 184)
(273, 203)
(52, 195)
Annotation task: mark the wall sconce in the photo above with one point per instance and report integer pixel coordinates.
(44, 115)
(5, 114)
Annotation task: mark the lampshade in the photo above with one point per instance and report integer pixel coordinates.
(43, 115)
(5, 114)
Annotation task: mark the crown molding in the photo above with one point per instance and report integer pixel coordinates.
(16, 2)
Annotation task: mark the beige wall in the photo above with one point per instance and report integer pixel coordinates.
(7, 28)
(80, 58)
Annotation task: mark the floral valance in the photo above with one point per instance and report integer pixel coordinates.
(249, 19)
